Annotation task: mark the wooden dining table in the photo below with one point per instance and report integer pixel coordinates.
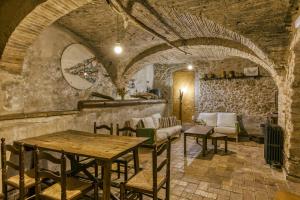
(103, 148)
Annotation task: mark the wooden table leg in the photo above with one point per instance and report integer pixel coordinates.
(225, 144)
(215, 145)
(136, 160)
(184, 145)
(106, 180)
(204, 148)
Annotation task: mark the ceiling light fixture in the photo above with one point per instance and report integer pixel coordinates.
(118, 49)
(190, 67)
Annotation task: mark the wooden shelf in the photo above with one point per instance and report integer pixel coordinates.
(241, 77)
(37, 114)
(116, 103)
(81, 105)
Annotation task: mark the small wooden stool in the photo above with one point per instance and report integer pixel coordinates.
(218, 136)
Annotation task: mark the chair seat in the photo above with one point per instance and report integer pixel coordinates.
(218, 135)
(144, 180)
(125, 158)
(86, 160)
(75, 187)
(29, 179)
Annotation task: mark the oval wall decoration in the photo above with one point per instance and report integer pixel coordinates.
(79, 66)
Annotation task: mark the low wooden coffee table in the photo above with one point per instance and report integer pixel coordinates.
(199, 132)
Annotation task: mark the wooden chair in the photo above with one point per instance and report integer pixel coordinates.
(22, 181)
(149, 182)
(65, 187)
(123, 161)
(105, 127)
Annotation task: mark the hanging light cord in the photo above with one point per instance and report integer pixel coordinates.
(118, 31)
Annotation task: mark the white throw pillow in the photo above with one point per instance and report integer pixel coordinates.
(209, 118)
(156, 118)
(134, 122)
(148, 122)
(226, 119)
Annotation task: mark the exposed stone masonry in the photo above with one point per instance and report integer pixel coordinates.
(253, 99)
(42, 87)
(268, 24)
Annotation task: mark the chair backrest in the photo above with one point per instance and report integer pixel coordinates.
(109, 128)
(17, 150)
(157, 152)
(47, 173)
(125, 131)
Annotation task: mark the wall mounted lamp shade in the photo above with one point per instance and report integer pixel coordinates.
(118, 49)
(183, 90)
(190, 67)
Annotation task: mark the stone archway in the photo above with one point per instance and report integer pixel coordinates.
(210, 46)
(289, 117)
(30, 28)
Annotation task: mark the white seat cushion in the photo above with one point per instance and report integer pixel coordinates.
(209, 118)
(171, 131)
(226, 120)
(156, 118)
(161, 135)
(225, 130)
(148, 122)
(134, 122)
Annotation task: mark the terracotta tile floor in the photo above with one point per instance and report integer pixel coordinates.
(239, 174)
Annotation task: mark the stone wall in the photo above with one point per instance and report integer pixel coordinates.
(18, 129)
(253, 99)
(41, 86)
(290, 115)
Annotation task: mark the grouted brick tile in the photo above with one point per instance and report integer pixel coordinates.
(235, 196)
(242, 174)
(196, 197)
(248, 195)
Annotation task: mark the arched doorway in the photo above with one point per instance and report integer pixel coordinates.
(184, 82)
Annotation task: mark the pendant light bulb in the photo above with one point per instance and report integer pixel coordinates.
(190, 67)
(118, 48)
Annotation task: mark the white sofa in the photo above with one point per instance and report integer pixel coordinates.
(151, 128)
(225, 123)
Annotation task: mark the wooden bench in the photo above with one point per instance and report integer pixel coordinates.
(283, 195)
(218, 136)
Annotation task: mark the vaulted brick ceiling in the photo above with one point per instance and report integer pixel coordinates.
(266, 23)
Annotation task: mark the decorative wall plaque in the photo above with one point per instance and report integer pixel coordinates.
(79, 66)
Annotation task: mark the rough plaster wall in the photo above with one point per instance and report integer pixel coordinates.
(10, 90)
(18, 129)
(141, 78)
(251, 98)
(42, 87)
